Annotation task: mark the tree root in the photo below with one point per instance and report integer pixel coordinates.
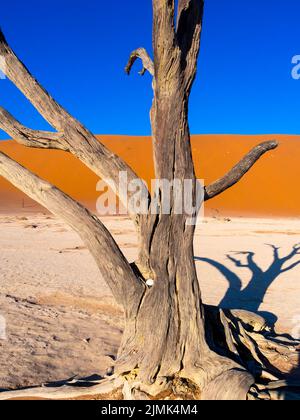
(265, 354)
(273, 360)
(68, 391)
(276, 391)
(231, 385)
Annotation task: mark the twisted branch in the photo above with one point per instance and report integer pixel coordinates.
(239, 170)
(147, 62)
(30, 138)
(74, 137)
(112, 264)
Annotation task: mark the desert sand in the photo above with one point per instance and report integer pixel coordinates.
(62, 320)
(268, 190)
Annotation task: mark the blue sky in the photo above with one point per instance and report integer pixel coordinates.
(78, 49)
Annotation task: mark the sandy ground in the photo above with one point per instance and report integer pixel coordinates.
(62, 321)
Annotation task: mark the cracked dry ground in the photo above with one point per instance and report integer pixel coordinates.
(61, 318)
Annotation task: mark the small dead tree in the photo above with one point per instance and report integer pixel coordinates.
(172, 343)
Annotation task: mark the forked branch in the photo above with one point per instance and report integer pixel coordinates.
(113, 266)
(76, 138)
(15, 70)
(30, 138)
(239, 170)
(147, 62)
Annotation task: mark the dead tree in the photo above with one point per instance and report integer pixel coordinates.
(172, 343)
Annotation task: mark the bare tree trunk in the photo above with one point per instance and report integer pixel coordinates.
(171, 341)
(178, 348)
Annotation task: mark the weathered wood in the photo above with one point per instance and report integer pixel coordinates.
(147, 62)
(180, 343)
(179, 347)
(77, 139)
(68, 391)
(228, 334)
(239, 170)
(112, 264)
(189, 27)
(270, 356)
(165, 345)
(30, 138)
(230, 385)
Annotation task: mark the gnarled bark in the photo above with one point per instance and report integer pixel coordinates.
(179, 348)
(113, 265)
(73, 137)
(272, 378)
(30, 138)
(172, 342)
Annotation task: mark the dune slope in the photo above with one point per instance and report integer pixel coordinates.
(268, 190)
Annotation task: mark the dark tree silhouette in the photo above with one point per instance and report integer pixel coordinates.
(261, 280)
(252, 296)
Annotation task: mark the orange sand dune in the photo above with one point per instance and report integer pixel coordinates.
(270, 189)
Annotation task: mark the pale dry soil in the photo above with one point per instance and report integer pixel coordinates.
(61, 319)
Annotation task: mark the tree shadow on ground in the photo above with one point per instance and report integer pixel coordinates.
(252, 296)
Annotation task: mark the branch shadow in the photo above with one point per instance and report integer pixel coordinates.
(252, 296)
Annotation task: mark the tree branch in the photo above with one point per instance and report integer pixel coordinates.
(147, 62)
(237, 262)
(77, 139)
(238, 172)
(290, 267)
(113, 266)
(15, 70)
(30, 138)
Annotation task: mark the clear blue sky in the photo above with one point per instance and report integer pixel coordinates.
(78, 49)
